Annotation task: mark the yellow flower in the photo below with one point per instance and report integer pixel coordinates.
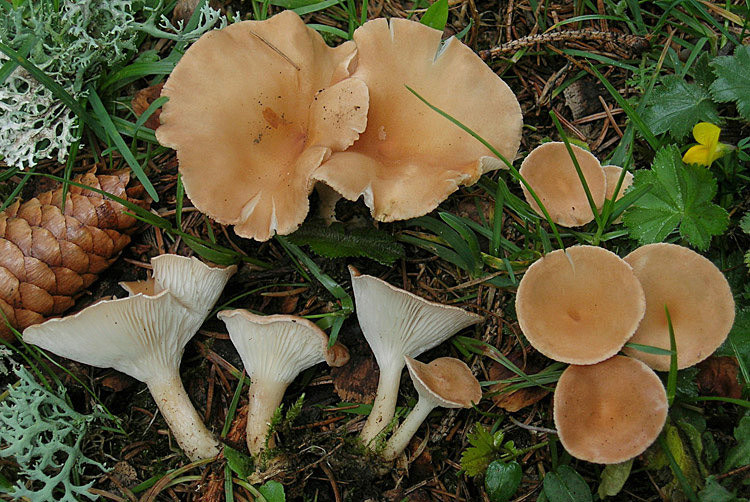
(708, 148)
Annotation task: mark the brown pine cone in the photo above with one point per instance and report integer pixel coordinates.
(47, 258)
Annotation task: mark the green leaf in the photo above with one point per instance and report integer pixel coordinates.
(737, 343)
(502, 480)
(678, 194)
(676, 106)
(337, 241)
(733, 79)
(739, 455)
(714, 492)
(483, 450)
(436, 16)
(273, 491)
(566, 485)
(613, 478)
(240, 463)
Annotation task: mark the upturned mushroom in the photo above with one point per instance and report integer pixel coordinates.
(409, 158)
(144, 336)
(446, 382)
(274, 350)
(550, 172)
(396, 324)
(699, 299)
(253, 110)
(611, 411)
(568, 311)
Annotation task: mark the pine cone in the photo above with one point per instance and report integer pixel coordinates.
(47, 258)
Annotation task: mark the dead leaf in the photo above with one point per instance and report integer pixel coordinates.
(143, 99)
(357, 381)
(717, 376)
(514, 401)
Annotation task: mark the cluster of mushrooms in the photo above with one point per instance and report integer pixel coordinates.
(582, 305)
(145, 334)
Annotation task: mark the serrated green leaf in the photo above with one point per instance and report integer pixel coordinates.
(714, 492)
(336, 241)
(745, 223)
(678, 194)
(436, 16)
(476, 458)
(566, 485)
(502, 480)
(613, 478)
(273, 491)
(676, 106)
(739, 454)
(240, 463)
(733, 79)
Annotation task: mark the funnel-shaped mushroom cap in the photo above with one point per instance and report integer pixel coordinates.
(409, 159)
(580, 308)
(553, 177)
(609, 412)
(253, 109)
(612, 174)
(275, 347)
(397, 323)
(192, 282)
(447, 380)
(697, 294)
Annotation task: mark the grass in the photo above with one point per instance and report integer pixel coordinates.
(471, 252)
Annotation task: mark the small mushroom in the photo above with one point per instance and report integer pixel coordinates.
(611, 411)
(550, 172)
(613, 175)
(274, 350)
(397, 323)
(409, 158)
(144, 336)
(253, 110)
(699, 299)
(580, 308)
(446, 382)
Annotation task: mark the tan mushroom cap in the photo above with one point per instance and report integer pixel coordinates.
(447, 380)
(611, 411)
(580, 308)
(253, 109)
(552, 175)
(409, 159)
(697, 295)
(612, 174)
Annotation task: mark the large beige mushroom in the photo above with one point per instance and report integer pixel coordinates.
(550, 172)
(611, 411)
(253, 110)
(580, 308)
(697, 294)
(409, 159)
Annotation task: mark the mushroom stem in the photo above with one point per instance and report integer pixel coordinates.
(384, 406)
(407, 429)
(182, 418)
(264, 398)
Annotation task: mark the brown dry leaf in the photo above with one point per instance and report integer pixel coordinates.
(357, 381)
(514, 401)
(118, 382)
(143, 99)
(717, 376)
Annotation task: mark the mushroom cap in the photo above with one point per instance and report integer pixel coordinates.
(138, 335)
(580, 308)
(276, 348)
(612, 173)
(550, 172)
(397, 323)
(446, 380)
(611, 411)
(697, 295)
(409, 159)
(253, 109)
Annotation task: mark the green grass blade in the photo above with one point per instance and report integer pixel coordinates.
(497, 222)
(672, 377)
(114, 135)
(442, 252)
(17, 190)
(469, 237)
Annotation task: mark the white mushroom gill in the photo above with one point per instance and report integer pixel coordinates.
(144, 336)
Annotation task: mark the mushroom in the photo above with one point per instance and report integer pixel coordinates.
(274, 350)
(253, 110)
(699, 299)
(550, 172)
(612, 173)
(611, 411)
(144, 336)
(397, 323)
(445, 382)
(567, 307)
(409, 159)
